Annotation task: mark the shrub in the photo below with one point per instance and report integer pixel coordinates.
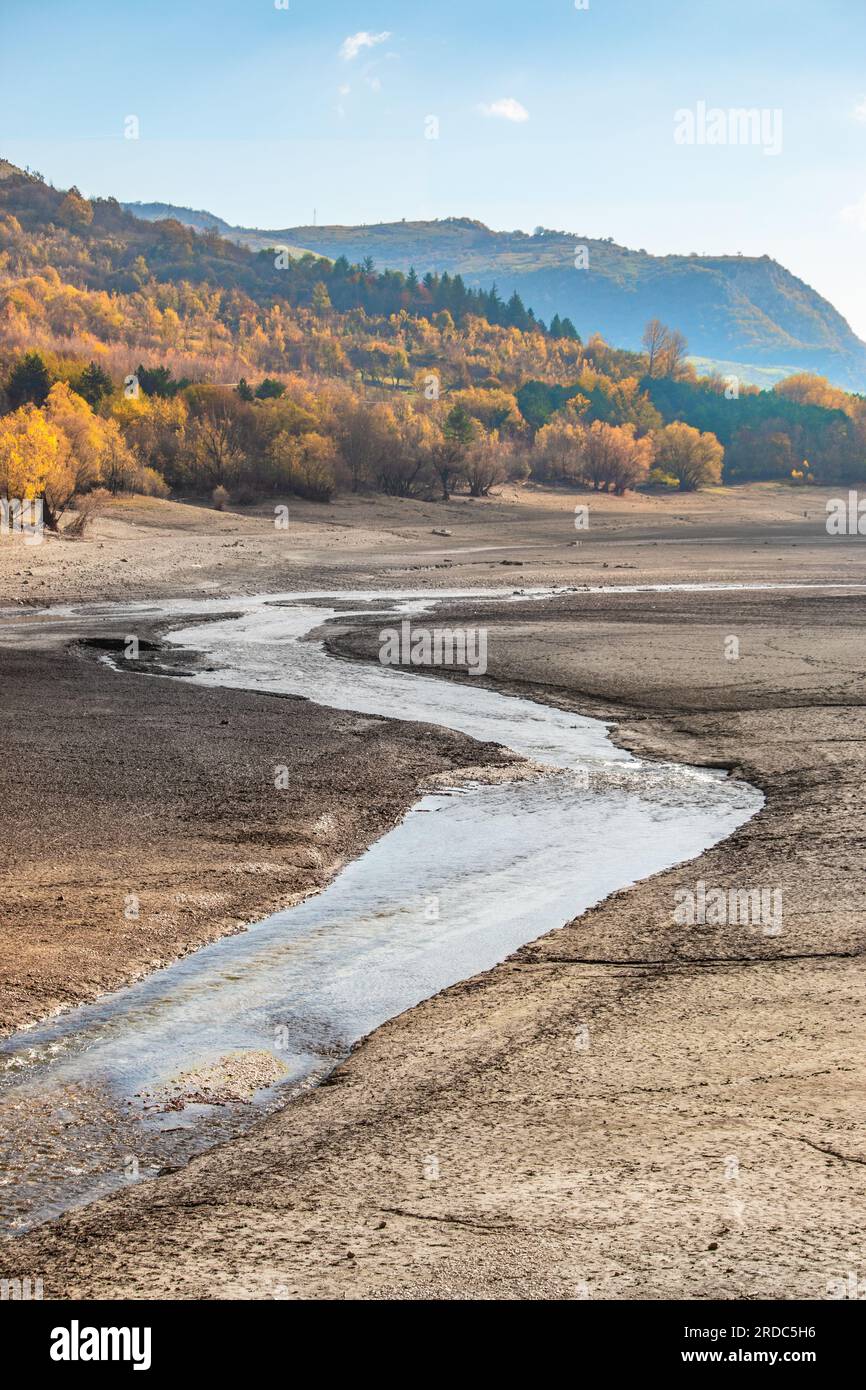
(659, 478)
(87, 509)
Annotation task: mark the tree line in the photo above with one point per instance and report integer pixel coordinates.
(324, 376)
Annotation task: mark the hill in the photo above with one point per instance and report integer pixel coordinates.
(746, 311)
(160, 355)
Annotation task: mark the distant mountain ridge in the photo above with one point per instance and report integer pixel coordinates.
(202, 221)
(733, 309)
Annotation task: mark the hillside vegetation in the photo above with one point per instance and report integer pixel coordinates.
(146, 355)
(733, 308)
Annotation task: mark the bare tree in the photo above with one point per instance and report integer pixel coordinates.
(674, 354)
(655, 341)
(666, 349)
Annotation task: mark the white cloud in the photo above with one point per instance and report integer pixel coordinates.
(506, 109)
(353, 45)
(855, 214)
(860, 111)
(344, 90)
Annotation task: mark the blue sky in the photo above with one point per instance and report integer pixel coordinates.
(548, 114)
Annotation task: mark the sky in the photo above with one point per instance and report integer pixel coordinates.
(543, 112)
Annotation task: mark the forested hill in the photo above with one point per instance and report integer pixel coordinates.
(97, 245)
(150, 355)
(732, 309)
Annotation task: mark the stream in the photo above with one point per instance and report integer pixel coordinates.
(88, 1100)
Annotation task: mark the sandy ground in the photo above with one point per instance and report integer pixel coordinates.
(145, 549)
(628, 1108)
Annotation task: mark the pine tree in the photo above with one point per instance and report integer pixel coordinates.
(93, 384)
(29, 381)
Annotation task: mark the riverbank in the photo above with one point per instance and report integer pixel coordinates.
(628, 1108)
(142, 817)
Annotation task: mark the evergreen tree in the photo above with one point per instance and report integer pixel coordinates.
(29, 381)
(516, 315)
(93, 384)
(269, 389)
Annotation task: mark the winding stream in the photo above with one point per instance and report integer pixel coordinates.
(470, 874)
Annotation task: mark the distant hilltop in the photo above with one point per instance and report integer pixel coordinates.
(743, 312)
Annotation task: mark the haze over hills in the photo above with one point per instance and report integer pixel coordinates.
(740, 311)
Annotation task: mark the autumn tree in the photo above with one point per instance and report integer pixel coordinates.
(405, 464)
(488, 463)
(29, 450)
(304, 464)
(154, 428)
(695, 459)
(220, 434)
(493, 408)
(75, 211)
(599, 455)
(614, 457)
(321, 300)
(807, 389)
(654, 340)
(674, 356)
(558, 452)
(665, 348)
(82, 446)
(121, 471)
(362, 435)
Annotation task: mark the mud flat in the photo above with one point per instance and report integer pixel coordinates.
(628, 1108)
(141, 820)
(484, 863)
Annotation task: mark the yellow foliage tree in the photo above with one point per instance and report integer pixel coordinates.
(75, 211)
(83, 442)
(29, 453)
(695, 459)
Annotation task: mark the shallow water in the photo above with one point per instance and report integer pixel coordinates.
(469, 875)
